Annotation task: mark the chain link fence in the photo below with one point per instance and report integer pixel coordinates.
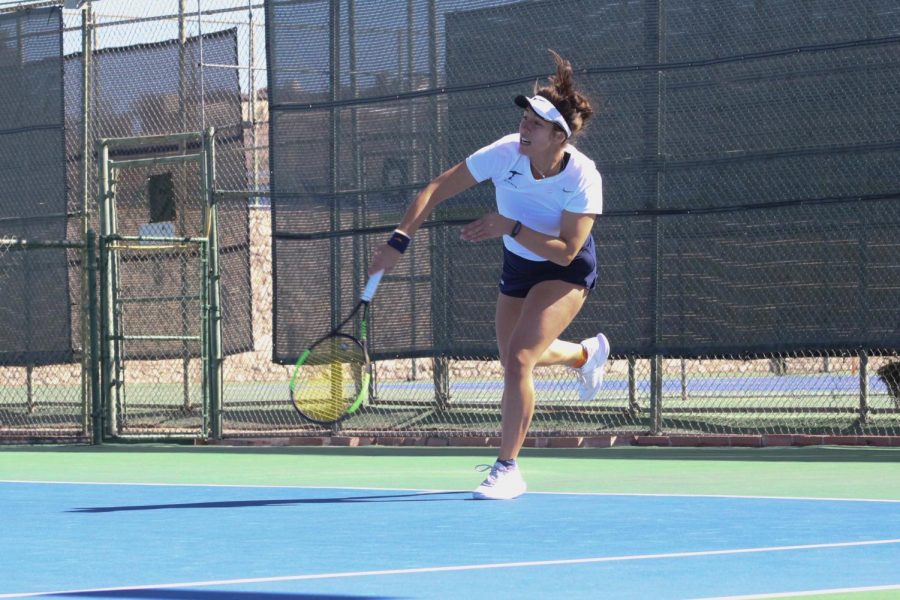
(44, 380)
(748, 252)
(747, 255)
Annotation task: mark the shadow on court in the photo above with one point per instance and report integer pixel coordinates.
(212, 595)
(413, 497)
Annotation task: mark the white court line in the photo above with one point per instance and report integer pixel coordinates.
(436, 491)
(478, 567)
(852, 590)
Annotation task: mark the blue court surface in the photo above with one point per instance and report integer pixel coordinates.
(216, 542)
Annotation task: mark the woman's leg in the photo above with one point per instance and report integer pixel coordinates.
(559, 352)
(528, 341)
(506, 318)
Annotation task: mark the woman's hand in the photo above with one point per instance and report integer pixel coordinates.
(491, 225)
(384, 258)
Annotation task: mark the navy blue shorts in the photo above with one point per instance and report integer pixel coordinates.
(520, 274)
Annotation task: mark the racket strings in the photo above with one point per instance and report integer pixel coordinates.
(330, 380)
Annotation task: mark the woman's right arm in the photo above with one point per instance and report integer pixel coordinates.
(451, 182)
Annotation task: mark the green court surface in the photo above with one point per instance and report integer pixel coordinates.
(815, 472)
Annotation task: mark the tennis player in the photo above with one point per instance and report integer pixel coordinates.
(548, 195)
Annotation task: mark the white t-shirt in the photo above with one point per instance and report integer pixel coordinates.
(538, 204)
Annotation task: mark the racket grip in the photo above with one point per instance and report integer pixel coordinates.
(371, 286)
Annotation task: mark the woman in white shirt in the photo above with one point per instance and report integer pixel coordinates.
(548, 195)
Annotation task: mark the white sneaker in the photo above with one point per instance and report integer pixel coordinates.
(502, 483)
(590, 376)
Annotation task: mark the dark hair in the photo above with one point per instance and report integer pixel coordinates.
(574, 106)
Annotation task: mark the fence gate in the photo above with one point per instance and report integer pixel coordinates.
(160, 350)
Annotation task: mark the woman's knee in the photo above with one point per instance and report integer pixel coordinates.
(519, 362)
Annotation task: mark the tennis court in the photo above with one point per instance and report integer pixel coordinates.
(191, 192)
(215, 522)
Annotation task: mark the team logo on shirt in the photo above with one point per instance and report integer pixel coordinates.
(509, 179)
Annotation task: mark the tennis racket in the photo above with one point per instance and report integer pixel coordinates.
(331, 378)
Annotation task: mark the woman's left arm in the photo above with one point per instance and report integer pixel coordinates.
(573, 232)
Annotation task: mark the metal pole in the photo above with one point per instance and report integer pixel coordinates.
(354, 133)
(437, 156)
(205, 345)
(116, 332)
(29, 386)
(96, 404)
(252, 99)
(438, 240)
(107, 347)
(200, 68)
(359, 209)
(182, 181)
(863, 386)
(182, 65)
(216, 354)
(207, 404)
(413, 161)
(86, 121)
(154, 140)
(103, 356)
(86, 170)
(655, 31)
(410, 86)
(656, 377)
(633, 405)
(29, 369)
(334, 154)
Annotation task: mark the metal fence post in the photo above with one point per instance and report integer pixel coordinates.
(206, 370)
(88, 359)
(106, 308)
(656, 377)
(863, 386)
(94, 338)
(633, 406)
(215, 308)
(653, 131)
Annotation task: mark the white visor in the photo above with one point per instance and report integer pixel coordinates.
(545, 110)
